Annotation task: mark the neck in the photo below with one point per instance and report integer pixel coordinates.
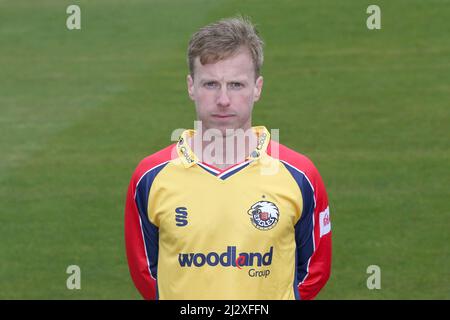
(224, 151)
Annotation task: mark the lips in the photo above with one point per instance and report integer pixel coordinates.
(223, 115)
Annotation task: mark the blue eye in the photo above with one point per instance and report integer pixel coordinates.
(211, 85)
(236, 85)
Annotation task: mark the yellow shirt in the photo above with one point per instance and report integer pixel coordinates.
(257, 230)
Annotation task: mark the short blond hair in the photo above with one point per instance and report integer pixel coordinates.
(224, 38)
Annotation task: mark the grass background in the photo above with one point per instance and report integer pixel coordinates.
(79, 109)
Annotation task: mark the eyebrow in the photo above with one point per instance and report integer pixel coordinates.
(206, 80)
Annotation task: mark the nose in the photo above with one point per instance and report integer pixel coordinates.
(223, 100)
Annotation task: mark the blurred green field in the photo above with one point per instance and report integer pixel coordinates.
(80, 109)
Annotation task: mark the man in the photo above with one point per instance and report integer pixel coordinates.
(226, 224)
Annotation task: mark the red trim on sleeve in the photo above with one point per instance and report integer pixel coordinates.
(134, 242)
(320, 263)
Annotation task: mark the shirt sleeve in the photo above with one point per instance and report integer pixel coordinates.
(141, 236)
(313, 238)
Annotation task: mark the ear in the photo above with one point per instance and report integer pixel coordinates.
(258, 88)
(190, 86)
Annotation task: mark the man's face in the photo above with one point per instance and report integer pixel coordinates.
(224, 92)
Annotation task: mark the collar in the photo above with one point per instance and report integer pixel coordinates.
(189, 158)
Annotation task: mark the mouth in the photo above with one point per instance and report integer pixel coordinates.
(223, 116)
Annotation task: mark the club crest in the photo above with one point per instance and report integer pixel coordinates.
(264, 215)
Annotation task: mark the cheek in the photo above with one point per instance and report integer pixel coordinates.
(205, 97)
(204, 103)
(245, 103)
(201, 98)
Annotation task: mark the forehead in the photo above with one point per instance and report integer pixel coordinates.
(239, 65)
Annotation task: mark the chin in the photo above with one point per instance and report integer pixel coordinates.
(223, 128)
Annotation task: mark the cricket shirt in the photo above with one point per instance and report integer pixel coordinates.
(258, 230)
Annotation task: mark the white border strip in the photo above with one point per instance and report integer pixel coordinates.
(206, 167)
(140, 220)
(145, 248)
(314, 198)
(135, 188)
(234, 168)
